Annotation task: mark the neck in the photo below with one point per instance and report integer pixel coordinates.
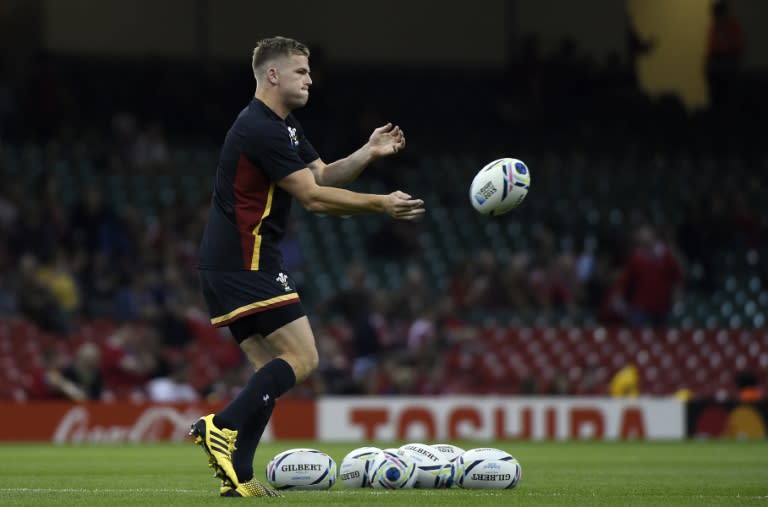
(273, 103)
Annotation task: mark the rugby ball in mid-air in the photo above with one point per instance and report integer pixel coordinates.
(500, 186)
(450, 451)
(487, 468)
(301, 469)
(390, 471)
(433, 469)
(353, 471)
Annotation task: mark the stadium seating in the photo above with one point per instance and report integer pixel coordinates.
(500, 361)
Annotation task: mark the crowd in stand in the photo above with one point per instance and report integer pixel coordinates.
(66, 264)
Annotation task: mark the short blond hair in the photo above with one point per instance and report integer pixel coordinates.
(267, 50)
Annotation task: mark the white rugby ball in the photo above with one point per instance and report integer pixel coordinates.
(450, 451)
(390, 471)
(353, 471)
(491, 474)
(301, 469)
(469, 476)
(486, 453)
(433, 469)
(500, 186)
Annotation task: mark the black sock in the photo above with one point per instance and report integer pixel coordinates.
(248, 439)
(266, 385)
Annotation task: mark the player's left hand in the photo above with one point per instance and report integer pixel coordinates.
(386, 140)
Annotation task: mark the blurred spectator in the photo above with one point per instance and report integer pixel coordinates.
(516, 285)
(749, 387)
(479, 285)
(334, 371)
(396, 376)
(174, 387)
(412, 295)
(129, 358)
(451, 325)
(96, 228)
(228, 383)
(99, 283)
(59, 279)
(35, 300)
(462, 274)
(422, 337)
(625, 383)
(650, 281)
(354, 304)
(556, 285)
(135, 297)
(82, 379)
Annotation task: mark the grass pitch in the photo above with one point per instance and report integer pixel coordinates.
(574, 473)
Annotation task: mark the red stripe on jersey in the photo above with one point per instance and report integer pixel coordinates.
(251, 188)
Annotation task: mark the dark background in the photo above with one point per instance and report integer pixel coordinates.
(112, 114)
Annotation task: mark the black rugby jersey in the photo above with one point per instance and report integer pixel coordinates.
(248, 213)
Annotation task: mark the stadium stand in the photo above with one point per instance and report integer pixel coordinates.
(103, 212)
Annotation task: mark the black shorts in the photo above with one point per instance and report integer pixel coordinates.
(250, 302)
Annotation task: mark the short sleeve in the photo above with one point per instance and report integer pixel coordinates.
(307, 152)
(272, 146)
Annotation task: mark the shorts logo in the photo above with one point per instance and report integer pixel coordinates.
(283, 279)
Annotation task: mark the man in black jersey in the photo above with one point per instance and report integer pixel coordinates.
(266, 161)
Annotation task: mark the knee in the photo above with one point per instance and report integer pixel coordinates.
(304, 364)
(310, 362)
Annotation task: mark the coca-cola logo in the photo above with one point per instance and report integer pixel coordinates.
(154, 423)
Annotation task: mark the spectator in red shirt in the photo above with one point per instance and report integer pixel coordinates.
(129, 358)
(650, 281)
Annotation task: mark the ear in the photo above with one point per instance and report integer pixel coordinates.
(272, 75)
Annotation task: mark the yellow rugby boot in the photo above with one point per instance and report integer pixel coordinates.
(219, 444)
(248, 488)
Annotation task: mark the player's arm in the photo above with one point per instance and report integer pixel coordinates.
(316, 198)
(384, 141)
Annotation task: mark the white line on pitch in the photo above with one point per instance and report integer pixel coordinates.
(98, 490)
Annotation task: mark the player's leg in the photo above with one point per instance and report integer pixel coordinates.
(293, 343)
(287, 332)
(293, 357)
(259, 353)
(230, 296)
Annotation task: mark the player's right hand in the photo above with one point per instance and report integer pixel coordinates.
(402, 206)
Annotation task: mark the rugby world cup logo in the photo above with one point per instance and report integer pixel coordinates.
(514, 176)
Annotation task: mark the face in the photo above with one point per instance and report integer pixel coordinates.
(293, 80)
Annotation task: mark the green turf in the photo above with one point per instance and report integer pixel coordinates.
(615, 474)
